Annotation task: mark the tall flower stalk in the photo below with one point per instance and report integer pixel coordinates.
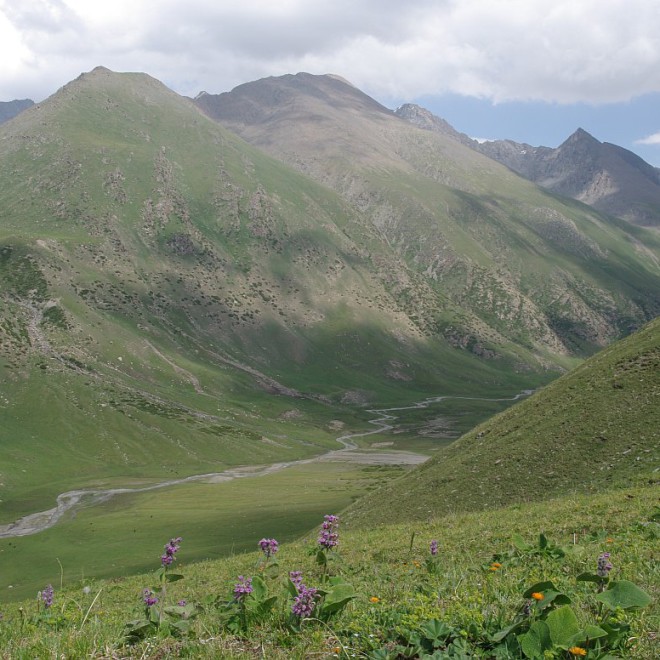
(154, 600)
(328, 540)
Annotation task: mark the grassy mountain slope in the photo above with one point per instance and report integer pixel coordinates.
(174, 301)
(515, 263)
(596, 427)
(395, 593)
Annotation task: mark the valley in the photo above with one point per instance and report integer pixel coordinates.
(223, 318)
(360, 466)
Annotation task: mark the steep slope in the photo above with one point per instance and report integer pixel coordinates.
(9, 109)
(171, 298)
(608, 177)
(594, 428)
(523, 266)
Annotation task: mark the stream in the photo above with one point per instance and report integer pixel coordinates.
(75, 499)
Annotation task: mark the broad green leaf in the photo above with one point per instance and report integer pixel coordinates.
(173, 577)
(183, 626)
(624, 594)
(259, 588)
(505, 632)
(265, 606)
(589, 633)
(563, 625)
(590, 577)
(537, 640)
(154, 614)
(520, 543)
(337, 598)
(291, 588)
(435, 630)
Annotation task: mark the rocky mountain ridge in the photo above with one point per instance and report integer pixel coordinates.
(605, 176)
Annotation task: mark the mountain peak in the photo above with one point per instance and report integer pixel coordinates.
(581, 136)
(423, 118)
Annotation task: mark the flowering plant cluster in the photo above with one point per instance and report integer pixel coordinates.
(269, 547)
(47, 596)
(329, 534)
(157, 616)
(305, 601)
(432, 564)
(603, 565)
(171, 548)
(243, 588)
(149, 597)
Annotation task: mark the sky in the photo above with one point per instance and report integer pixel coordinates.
(528, 70)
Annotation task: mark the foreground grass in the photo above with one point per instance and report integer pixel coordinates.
(395, 591)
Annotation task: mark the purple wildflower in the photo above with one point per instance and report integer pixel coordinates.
(269, 547)
(149, 597)
(243, 587)
(305, 601)
(181, 603)
(171, 549)
(47, 596)
(329, 536)
(296, 578)
(604, 566)
(434, 548)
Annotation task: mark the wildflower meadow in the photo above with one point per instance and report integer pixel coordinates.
(390, 593)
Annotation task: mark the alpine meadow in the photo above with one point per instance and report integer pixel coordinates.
(385, 390)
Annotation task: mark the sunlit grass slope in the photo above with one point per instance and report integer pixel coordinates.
(395, 593)
(596, 427)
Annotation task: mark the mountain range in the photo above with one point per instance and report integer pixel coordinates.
(9, 109)
(186, 286)
(197, 288)
(605, 176)
(609, 178)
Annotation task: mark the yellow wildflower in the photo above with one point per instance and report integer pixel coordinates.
(374, 599)
(538, 596)
(577, 650)
(495, 566)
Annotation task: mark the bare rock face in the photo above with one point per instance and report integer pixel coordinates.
(423, 118)
(603, 175)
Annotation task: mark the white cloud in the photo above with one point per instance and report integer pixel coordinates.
(554, 50)
(650, 139)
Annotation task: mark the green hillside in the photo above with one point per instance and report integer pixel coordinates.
(596, 427)
(169, 295)
(176, 303)
(496, 259)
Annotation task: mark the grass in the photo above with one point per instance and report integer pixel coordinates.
(387, 564)
(595, 427)
(220, 518)
(116, 538)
